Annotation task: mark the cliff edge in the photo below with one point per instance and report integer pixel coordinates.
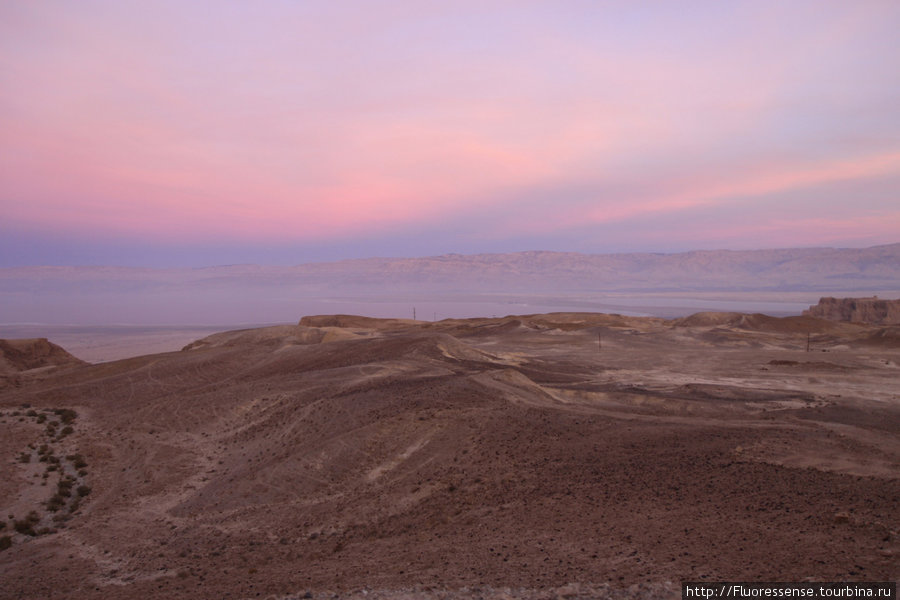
(872, 310)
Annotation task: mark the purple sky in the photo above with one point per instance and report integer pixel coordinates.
(200, 133)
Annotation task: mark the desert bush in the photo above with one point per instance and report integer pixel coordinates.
(41, 419)
(77, 461)
(66, 430)
(66, 415)
(64, 490)
(55, 503)
(83, 490)
(31, 413)
(25, 527)
(25, 457)
(5, 542)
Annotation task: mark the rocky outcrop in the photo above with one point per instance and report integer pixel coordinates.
(857, 310)
(27, 354)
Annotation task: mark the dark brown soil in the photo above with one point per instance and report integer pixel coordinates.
(500, 459)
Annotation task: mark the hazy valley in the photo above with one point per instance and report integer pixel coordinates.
(778, 282)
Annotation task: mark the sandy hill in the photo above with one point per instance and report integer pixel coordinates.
(25, 354)
(517, 456)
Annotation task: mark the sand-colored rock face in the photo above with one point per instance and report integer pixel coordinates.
(27, 354)
(537, 456)
(873, 311)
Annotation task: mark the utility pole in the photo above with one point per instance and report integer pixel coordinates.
(807, 341)
(414, 313)
(599, 342)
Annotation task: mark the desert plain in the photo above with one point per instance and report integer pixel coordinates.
(563, 455)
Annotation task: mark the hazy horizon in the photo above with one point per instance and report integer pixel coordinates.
(773, 281)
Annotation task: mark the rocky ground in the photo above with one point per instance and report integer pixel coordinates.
(548, 456)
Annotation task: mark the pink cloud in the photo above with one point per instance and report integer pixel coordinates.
(767, 231)
(163, 123)
(712, 189)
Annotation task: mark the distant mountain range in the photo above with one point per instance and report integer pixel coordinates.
(253, 293)
(829, 269)
(791, 269)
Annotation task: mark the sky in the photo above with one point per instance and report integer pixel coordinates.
(172, 133)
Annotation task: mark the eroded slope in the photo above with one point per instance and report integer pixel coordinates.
(531, 452)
